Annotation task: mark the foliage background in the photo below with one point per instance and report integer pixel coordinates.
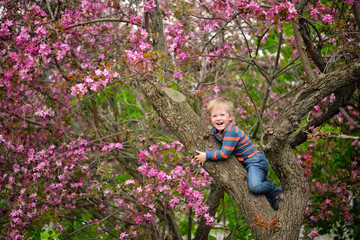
(84, 155)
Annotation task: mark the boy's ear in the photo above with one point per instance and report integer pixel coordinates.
(232, 117)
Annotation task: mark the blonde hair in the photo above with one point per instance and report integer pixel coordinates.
(221, 102)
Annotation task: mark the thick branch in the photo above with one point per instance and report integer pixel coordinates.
(342, 97)
(310, 48)
(311, 94)
(356, 11)
(157, 28)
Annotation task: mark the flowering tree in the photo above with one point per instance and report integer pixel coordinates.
(81, 148)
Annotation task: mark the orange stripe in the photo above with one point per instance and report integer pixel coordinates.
(215, 155)
(245, 144)
(247, 149)
(249, 156)
(236, 129)
(229, 148)
(244, 140)
(252, 154)
(223, 155)
(230, 125)
(231, 138)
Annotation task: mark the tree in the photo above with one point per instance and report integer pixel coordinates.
(64, 121)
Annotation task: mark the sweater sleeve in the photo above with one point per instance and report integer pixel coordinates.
(229, 142)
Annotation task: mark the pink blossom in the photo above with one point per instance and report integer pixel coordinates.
(123, 235)
(209, 219)
(23, 37)
(349, 2)
(314, 233)
(153, 148)
(328, 201)
(314, 12)
(144, 46)
(161, 176)
(182, 55)
(98, 72)
(216, 89)
(327, 18)
(177, 75)
(173, 202)
(143, 168)
(95, 86)
(128, 182)
(144, 33)
(313, 218)
(317, 108)
(119, 201)
(41, 31)
(291, 11)
(78, 89)
(149, 5)
(141, 157)
(148, 216)
(152, 172)
(138, 219)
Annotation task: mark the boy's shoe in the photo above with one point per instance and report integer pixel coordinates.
(275, 200)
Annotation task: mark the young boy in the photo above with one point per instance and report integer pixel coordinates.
(234, 141)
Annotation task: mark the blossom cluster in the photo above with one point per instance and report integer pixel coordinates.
(40, 182)
(170, 188)
(100, 80)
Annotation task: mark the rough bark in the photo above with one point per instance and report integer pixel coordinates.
(189, 128)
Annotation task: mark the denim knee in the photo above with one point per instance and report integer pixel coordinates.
(256, 189)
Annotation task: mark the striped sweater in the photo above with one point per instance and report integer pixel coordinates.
(234, 141)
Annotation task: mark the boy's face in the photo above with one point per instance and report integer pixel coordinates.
(220, 118)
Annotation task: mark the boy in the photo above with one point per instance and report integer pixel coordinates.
(234, 141)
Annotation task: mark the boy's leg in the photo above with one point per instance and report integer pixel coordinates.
(258, 182)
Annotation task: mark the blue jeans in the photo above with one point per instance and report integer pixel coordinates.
(258, 167)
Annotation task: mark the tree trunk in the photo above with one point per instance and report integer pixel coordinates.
(191, 131)
(213, 201)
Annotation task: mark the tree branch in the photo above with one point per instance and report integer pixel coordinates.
(356, 11)
(300, 47)
(342, 97)
(99, 21)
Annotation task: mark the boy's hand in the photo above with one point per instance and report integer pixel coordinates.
(201, 158)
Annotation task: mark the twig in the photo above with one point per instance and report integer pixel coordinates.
(100, 20)
(347, 116)
(91, 224)
(50, 10)
(221, 29)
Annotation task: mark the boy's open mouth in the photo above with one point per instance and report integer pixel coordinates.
(219, 123)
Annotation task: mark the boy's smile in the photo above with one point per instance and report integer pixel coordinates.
(220, 118)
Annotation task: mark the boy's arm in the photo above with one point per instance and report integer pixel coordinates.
(229, 142)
